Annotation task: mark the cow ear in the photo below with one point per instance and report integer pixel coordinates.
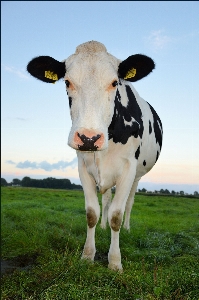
(46, 68)
(135, 67)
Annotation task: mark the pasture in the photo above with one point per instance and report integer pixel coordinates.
(43, 234)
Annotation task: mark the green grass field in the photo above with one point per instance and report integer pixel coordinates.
(43, 234)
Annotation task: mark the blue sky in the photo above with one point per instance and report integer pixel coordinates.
(35, 115)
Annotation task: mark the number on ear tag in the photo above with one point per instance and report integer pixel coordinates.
(131, 73)
(51, 75)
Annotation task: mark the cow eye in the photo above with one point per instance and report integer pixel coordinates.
(67, 82)
(114, 83)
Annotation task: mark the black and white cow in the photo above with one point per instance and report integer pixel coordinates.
(116, 134)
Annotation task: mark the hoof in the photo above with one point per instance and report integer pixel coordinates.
(116, 267)
(88, 254)
(127, 227)
(87, 259)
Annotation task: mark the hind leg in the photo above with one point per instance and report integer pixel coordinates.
(106, 201)
(129, 205)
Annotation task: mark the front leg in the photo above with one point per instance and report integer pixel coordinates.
(92, 209)
(89, 246)
(114, 255)
(116, 212)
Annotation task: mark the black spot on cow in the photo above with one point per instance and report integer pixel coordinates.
(70, 101)
(137, 153)
(150, 128)
(117, 130)
(157, 155)
(157, 125)
(144, 163)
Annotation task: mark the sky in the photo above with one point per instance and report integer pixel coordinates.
(35, 117)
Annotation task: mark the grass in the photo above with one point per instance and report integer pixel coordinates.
(43, 234)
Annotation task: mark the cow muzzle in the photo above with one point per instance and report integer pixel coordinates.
(88, 140)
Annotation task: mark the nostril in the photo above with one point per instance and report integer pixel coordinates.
(95, 138)
(82, 137)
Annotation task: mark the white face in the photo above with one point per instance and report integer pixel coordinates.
(91, 83)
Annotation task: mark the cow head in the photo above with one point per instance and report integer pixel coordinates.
(91, 76)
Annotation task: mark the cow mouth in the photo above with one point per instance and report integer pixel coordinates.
(86, 149)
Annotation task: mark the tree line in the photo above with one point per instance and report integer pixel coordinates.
(50, 182)
(55, 183)
(167, 192)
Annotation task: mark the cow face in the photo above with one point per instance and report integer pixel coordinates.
(91, 76)
(91, 81)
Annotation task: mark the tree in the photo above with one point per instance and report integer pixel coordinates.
(76, 186)
(181, 193)
(50, 182)
(16, 181)
(196, 193)
(162, 191)
(3, 182)
(26, 181)
(167, 191)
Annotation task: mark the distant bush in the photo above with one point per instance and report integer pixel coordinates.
(50, 182)
(166, 192)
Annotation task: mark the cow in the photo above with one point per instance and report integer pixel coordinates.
(116, 134)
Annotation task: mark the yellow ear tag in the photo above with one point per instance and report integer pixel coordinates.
(51, 75)
(131, 73)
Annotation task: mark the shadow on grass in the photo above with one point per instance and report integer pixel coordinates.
(21, 263)
(101, 258)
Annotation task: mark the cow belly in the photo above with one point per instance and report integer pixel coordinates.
(148, 156)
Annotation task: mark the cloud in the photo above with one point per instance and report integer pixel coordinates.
(10, 162)
(19, 73)
(27, 164)
(60, 165)
(158, 40)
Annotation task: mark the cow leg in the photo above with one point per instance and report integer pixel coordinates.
(92, 214)
(106, 201)
(129, 205)
(114, 255)
(92, 211)
(115, 217)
